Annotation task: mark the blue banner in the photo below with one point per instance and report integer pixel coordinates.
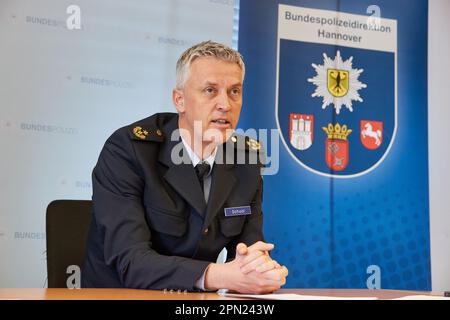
(345, 85)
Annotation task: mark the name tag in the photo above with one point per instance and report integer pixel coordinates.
(237, 211)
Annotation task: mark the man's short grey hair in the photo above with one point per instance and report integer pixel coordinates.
(206, 49)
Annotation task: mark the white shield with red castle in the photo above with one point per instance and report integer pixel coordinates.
(301, 130)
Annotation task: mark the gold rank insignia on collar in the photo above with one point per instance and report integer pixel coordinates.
(140, 133)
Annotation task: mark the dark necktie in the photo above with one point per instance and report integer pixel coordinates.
(202, 170)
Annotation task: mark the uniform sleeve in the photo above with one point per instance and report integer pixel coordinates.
(120, 216)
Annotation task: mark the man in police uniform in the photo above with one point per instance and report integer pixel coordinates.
(169, 191)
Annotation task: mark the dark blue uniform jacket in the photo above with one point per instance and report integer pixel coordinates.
(151, 227)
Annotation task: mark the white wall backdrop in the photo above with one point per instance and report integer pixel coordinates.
(63, 92)
(438, 144)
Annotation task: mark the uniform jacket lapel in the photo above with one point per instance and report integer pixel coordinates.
(181, 177)
(223, 182)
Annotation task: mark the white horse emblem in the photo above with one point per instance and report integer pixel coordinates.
(369, 132)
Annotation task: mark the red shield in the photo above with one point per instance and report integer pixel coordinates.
(371, 134)
(336, 154)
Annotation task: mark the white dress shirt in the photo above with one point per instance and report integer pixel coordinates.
(195, 159)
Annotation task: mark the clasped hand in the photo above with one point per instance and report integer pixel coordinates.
(252, 271)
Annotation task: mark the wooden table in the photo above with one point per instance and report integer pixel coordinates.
(132, 294)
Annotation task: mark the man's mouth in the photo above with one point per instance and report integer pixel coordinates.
(221, 121)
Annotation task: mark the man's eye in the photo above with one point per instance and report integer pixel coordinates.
(235, 92)
(209, 90)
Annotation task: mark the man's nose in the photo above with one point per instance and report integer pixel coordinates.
(223, 102)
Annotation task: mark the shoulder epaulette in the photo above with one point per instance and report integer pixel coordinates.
(249, 146)
(146, 133)
(245, 143)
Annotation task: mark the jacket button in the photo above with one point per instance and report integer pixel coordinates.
(205, 232)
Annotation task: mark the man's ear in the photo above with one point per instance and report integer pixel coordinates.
(178, 100)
